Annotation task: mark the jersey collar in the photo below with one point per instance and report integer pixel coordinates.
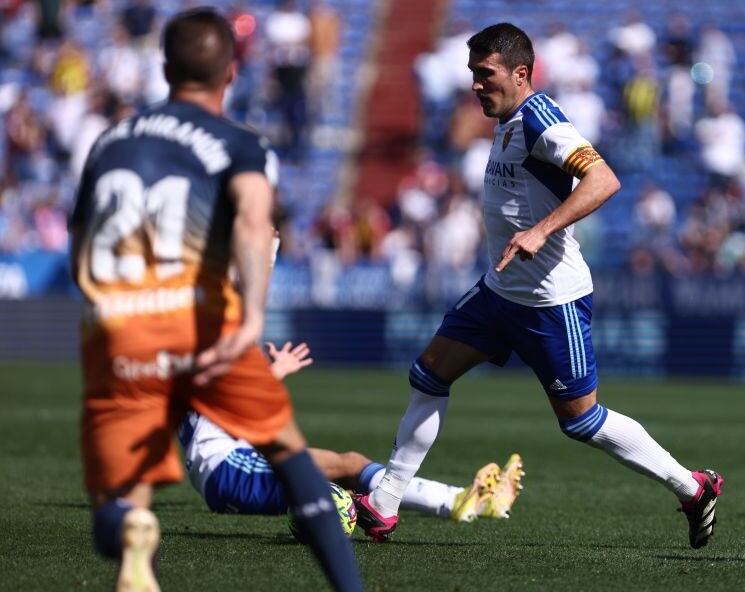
(519, 107)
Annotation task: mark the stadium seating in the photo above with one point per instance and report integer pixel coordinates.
(307, 186)
(681, 175)
(90, 26)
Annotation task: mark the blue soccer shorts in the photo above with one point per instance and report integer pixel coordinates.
(553, 340)
(244, 483)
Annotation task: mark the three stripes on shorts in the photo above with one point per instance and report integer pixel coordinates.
(576, 341)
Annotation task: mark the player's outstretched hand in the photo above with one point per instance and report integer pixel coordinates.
(288, 360)
(526, 244)
(216, 360)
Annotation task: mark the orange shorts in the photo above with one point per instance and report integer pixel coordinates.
(135, 398)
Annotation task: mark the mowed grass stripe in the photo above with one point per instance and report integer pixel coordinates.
(582, 523)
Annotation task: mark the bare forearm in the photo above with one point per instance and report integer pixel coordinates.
(251, 249)
(252, 237)
(335, 466)
(252, 258)
(595, 188)
(598, 184)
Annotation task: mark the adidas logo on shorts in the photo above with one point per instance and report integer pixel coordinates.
(557, 385)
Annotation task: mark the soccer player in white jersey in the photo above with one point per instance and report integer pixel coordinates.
(536, 300)
(233, 477)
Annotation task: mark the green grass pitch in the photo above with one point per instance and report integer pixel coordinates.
(583, 522)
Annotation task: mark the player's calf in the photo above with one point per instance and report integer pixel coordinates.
(310, 502)
(131, 535)
(107, 527)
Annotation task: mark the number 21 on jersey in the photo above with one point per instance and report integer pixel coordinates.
(127, 207)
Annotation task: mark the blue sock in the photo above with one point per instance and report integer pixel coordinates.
(107, 527)
(367, 474)
(310, 501)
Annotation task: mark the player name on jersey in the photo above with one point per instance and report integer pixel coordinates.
(209, 150)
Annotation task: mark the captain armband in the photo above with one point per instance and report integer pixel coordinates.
(580, 161)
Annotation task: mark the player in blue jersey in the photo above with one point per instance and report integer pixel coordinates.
(234, 477)
(536, 300)
(168, 200)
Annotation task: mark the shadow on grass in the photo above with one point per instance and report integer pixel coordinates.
(282, 539)
(398, 543)
(85, 505)
(75, 505)
(275, 539)
(167, 505)
(706, 558)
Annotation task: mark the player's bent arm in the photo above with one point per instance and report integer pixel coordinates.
(251, 254)
(252, 241)
(596, 187)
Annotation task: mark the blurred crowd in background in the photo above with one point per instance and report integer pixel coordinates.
(660, 103)
(69, 70)
(658, 106)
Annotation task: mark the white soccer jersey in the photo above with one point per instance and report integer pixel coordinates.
(205, 447)
(533, 165)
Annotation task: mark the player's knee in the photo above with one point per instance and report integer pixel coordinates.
(288, 442)
(585, 426)
(278, 451)
(424, 380)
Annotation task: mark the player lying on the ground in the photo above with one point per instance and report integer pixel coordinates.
(233, 477)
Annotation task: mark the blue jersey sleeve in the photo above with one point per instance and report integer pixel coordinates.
(250, 153)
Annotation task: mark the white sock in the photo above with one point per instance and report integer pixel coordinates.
(423, 495)
(417, 431)
(630, 444)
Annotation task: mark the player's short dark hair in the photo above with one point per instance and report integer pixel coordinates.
(199, 45)
(509, 41)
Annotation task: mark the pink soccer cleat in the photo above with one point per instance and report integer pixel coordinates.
(700, 510)
(377, 527)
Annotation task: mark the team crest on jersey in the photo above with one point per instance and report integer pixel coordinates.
(507, 138)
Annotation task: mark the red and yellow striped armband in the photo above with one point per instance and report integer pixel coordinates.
(580, 161)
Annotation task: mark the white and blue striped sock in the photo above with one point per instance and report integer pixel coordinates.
(423, 495)
(629, 443)
(417, 431)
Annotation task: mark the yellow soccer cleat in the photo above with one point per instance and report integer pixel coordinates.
(500, 500)
(140, 538)
(469, 503)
